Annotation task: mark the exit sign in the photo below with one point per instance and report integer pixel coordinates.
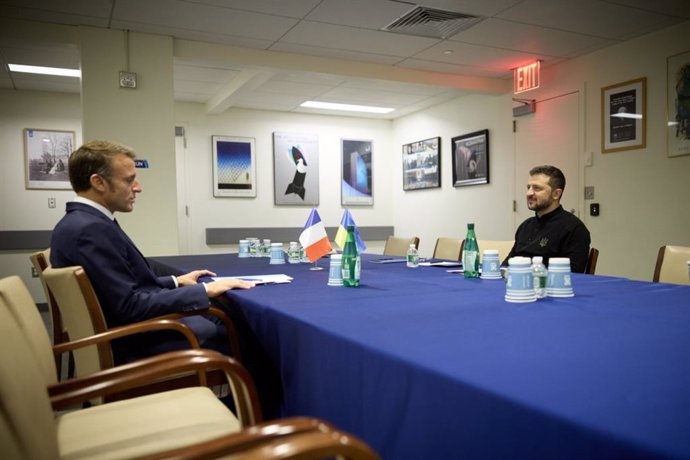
(526, 77)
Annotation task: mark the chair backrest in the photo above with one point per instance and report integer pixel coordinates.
(672, 265)
(27, 426)
(503, 247)
(81, 315)
(40, 261)
(396, 246)
(591, 267)
(20, 305)
(448, 248)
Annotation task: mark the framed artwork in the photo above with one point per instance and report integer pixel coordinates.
(356, 184)
(623, 115)
(234, 167)
(471, 158)
(46, 153)
(678, 105)
(296, 169)
(422, 164)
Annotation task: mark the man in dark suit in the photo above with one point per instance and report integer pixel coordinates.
(552, 231)
(104, 177)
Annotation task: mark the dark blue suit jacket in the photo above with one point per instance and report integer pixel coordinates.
(125, 285)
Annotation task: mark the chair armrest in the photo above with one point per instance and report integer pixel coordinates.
(298, 446)
(129, 329)
(246, 439)
(165, 365)
(220, 314)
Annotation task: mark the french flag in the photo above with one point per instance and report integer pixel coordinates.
(314, 239)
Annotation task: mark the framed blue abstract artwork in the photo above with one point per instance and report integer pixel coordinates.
(356, 184)
(234, 167)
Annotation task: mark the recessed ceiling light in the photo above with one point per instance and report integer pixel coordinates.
(345, 107)
(45, 70)
(448, 52)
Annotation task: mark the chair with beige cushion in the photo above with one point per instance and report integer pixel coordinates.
(672, 265)
(40, 262)
(397, 246)
(503, 247)
(125, 429)
(448, 248)
(82, 317)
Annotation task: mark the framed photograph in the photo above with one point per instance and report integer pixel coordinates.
(422, 164)
(296, 169)
(623, 115)
(356, 185)
(678, 105)
(46, 153)
(234, 167)
(471, 158)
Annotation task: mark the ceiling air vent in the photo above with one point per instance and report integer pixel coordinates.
(430, 22)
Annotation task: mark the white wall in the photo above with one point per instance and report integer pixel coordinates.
(22, 209)
(207, 211)
(445, 211)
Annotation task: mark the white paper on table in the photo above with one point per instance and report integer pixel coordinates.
(259, 279)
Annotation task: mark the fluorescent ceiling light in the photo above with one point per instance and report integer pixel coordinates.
(346, 107)
(45, 70)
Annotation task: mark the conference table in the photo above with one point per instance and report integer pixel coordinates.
(425, 364)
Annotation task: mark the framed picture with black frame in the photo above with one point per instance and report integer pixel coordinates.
(471, 158)
(422, 164)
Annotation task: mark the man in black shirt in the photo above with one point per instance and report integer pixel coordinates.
(552, 232)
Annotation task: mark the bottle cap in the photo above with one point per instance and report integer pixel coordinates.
(412, 246)
(470, 226)
(537, 259)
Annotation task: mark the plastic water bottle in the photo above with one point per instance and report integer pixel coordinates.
(540, 274)
(351, 263)
(470, 254)
(412, 257)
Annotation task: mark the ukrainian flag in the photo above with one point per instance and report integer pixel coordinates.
(340, 237)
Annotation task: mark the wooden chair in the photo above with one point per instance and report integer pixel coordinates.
(29, 392)
(294, 438)
(190, 419)
(672, 265)
(40, 262)
(397, 246)
(592, 258)
(503, 246)
(82, 313)
(448, 249)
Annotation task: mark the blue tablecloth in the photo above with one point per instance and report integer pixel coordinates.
(424, 364)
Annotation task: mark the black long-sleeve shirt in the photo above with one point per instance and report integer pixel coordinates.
(556, 234)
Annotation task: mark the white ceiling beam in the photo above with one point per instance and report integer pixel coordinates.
(224, 56)
(247, 81)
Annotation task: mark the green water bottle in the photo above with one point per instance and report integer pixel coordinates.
(351, 263)
(470, 254)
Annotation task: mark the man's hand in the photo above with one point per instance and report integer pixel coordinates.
(192, 277)
(216, 288)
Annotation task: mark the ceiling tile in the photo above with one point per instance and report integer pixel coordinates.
(206, 19)
(527, 38)
(591, 17)
(355, 39)
(368, 14)
(290, 9)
